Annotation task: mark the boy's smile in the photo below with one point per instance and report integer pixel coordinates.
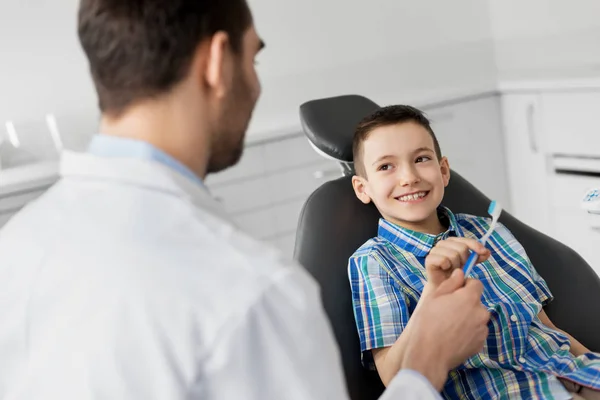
(404, 176)
(415, 197)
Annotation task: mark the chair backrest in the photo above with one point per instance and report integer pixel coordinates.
(333, 224)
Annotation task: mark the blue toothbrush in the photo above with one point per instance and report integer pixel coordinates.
(494, 210)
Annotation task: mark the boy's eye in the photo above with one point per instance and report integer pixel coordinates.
(422, 159)
(384, 167)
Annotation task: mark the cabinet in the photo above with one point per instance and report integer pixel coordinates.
(553, 157)
(571, 122)
(526, 160)
(23, 184)
(470, 135)
(265, 192)
(574, 227)
(508, 146)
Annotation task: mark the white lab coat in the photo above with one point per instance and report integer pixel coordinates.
(126, 281)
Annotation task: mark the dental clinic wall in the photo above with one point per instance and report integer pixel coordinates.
(552, 36)
(388, 50)
(43, 71)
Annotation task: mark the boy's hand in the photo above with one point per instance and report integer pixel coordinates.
(451, 254)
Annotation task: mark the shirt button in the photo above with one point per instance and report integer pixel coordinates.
(514, 318)
(521, 360)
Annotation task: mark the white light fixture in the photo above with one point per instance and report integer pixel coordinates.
(12, 134)
(54, 132)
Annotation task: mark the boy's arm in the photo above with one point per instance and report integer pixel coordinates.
(577, 348)
(442, 260)
(388, 360)
(381, 313)
(448, 326)
(382, 316)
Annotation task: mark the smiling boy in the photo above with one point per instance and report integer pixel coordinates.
(400, 168)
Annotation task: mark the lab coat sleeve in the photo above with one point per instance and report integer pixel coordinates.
(283, 348)
(410, 385)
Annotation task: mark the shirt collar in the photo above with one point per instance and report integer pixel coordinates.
(134, 171)
(419, 243)
(119, 147)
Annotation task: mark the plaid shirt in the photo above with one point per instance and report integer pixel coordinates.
(521, 356)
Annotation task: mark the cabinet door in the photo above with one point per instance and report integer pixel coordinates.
(571, 122)
(265, 192)
(526, 160)
(572, 225)
(470, 135)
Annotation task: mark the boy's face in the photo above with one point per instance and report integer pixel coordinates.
(403, 176)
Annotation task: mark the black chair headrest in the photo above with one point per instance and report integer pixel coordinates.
(329, 123)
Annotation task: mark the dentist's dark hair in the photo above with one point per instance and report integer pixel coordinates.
(139, 49)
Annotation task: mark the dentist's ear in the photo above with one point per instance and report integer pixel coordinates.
(360, 189)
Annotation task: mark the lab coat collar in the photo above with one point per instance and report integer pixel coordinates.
(143, 173)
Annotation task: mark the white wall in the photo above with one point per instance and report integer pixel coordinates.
(389, 50)
(552, 35)
(43, 70)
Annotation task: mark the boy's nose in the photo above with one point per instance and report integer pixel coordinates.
(408, 177)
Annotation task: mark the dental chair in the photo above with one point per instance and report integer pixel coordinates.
(334, 223)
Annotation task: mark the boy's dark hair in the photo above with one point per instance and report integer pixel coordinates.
(385, 116)
(139, 49)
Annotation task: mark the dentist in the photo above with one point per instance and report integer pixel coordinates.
(126, 280)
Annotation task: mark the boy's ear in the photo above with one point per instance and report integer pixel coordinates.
(445, 169)
(360, 189)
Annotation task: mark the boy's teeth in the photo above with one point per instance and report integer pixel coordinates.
(412, 196)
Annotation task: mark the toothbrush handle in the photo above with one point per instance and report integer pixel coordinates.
(471, 261)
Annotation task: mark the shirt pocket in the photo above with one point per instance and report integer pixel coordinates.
(509, 327)
(505, 284)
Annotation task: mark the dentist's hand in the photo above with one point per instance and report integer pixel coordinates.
(447, 327)
(448, 255)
